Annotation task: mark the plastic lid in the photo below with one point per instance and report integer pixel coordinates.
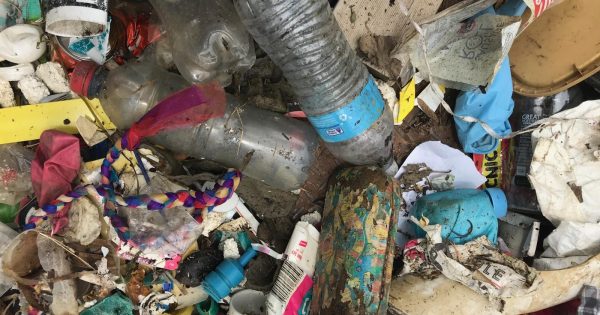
(82, 76)
(498, 201)
(557, 50)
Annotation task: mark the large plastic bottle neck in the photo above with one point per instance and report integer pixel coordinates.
(97, 83)
(87, 79)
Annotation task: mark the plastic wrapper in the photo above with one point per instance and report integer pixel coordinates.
(54, 258)
(84, 221)
(208, 39)
(15, 173)
(461, 55)
(565, 174)
(161, 236)
(6, 235)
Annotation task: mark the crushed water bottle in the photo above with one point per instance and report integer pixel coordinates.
(338, 95)
(273, 148)
(208, 40)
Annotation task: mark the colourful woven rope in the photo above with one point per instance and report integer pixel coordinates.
(222, 191)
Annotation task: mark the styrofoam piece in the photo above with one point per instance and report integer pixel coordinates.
(33, 88)
(53, 76)
(7, 96)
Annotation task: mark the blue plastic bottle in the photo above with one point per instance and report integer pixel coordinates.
(228, 275)
(465, 214)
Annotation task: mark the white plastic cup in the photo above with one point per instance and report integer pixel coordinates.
(76, 18)
(247, 302)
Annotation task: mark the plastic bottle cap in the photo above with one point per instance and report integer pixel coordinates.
(499, 201)
(82, 76)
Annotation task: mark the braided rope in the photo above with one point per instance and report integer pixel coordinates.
(199, 201)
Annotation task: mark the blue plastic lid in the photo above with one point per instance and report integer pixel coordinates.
(498, 201)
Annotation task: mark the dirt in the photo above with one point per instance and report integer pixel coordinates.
(418, 128)
(315, 187)
(265, 201)
(377, 51)
(197, 265)
(276, 232)
(261, 273)
(264, 86)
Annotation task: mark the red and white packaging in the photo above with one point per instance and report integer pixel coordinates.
(292, 291)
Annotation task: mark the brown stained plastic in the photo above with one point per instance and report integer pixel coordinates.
(558, 50)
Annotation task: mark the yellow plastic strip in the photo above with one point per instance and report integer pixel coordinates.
(24, 123)
(406, 102)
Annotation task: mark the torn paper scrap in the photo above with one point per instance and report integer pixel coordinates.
(461, 55)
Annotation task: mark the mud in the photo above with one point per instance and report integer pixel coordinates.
(376, 50)
(265, 201)
(418, 128)
(262, 273)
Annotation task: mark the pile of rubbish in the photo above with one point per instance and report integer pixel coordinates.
(299, 156)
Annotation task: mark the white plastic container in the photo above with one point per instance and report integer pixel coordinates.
(246, 302)
(76, 18)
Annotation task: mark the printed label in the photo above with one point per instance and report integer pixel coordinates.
(501, 276)
(538, 6)
(490, 165)
(353, 119)
(96, 4)
(291, 293)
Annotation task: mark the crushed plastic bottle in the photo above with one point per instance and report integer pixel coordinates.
(338, 95)
(275, 149)
(208, 40)
(15, 179)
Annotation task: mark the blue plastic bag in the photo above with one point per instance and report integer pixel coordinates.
(493, 108)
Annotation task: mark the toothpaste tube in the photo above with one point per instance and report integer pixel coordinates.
(292, 291)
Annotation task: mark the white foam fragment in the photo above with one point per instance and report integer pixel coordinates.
(53, 76)
(7, 96)
(33, 88)
(230, 249)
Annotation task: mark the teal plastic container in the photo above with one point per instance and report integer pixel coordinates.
(228, 275)
(464, 214)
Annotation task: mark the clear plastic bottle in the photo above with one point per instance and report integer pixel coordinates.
(273, 148)
(338, 95)
(208, 40)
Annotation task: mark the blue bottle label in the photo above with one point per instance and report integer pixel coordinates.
(353, 119)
